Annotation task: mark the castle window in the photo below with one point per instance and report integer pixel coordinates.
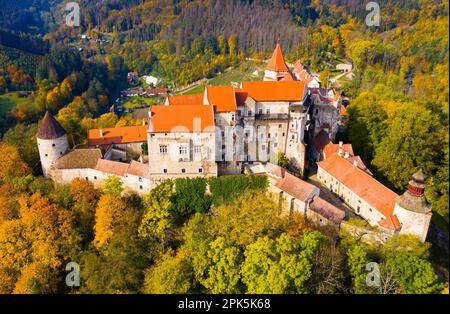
(95, 177)
(263, 147)
(60, 153)
(283, 134)
(279, 126)
(163, 149)
(200, 170)
(260, 111)
(165, 170)
(249, 112)
(232, 117)
(87, 179)
(293, 136)
(140, 179)
(46, 155)
(183, 150)
(53, 145)
(275, 144)
(268, 111)
(183, 170)
(141, 187)
(370, 209)
(197, 149)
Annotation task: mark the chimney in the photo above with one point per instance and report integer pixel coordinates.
(341, 143)
(346, 155)
(101, 133)
(340, 151)
(355, 163)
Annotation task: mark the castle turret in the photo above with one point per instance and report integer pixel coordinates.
(52, 142)
(276, 69)
(412, 208)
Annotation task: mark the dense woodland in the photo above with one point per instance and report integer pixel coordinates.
(399, 102)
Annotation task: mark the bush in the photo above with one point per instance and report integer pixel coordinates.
(227, 188)
(190, 196)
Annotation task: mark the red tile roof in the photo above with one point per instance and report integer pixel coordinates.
(188, 100)
(361, 183)
(331, 149)
(222, 97)
(138, 169)
(275, 91)
(112, 167)
(127, 134)
(390, 222)
(187, 118)
(277, 63)
(289, 183)
(327, 210)
(288, 78)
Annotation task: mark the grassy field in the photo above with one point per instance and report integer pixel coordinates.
(239, 74)
(9, 101)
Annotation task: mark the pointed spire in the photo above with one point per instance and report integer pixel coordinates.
(277, 63)
(50, 128)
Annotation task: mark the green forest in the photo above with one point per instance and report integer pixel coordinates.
(180, 239)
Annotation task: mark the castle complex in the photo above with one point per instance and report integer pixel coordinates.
(226, 130)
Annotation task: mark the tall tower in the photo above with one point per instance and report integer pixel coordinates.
(52, 142)
(412, 208)
(277, 69)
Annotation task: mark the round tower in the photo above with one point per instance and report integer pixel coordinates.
(412, 208)
(52, 142)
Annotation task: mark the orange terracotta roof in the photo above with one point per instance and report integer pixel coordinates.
(390, 222)
(188, 118)
(332, 149)
(127, 134)
(289, 183)
(343, 111)
(112, 167)
(361, 183)
(222, 97)
(188, 100)
(277, 63)
(138, 169)
(275, 91)
(288, 78)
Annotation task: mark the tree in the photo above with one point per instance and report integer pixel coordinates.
(113, 186)
(110, 213)
(172, 273)
(275, 266)
(406, 243)
(85, 198)
(252, 215)
(411, 141)
(223, 272)
(157, 220)
(414, 274)
(282, 160)
(357, 260)
(12, 164)
(34, 247)
(190, 196)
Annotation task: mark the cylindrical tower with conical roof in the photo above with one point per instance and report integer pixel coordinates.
(52, 142)
(412, 208)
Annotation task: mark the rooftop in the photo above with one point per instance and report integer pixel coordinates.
(112, 167)
(222, 97)
(277, 63)
(275, 91)
(361, 183)
(127, 134)
(50, 128)
(79, 158)
(188, 118)
(289, 183)
(185, 100)
(327, 210)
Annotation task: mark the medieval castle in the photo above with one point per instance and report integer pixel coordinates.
(231, 130)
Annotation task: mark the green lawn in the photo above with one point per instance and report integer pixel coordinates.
(239, 74)
(10, 100)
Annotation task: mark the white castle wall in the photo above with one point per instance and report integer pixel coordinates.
(50, 150)
(412, 222)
